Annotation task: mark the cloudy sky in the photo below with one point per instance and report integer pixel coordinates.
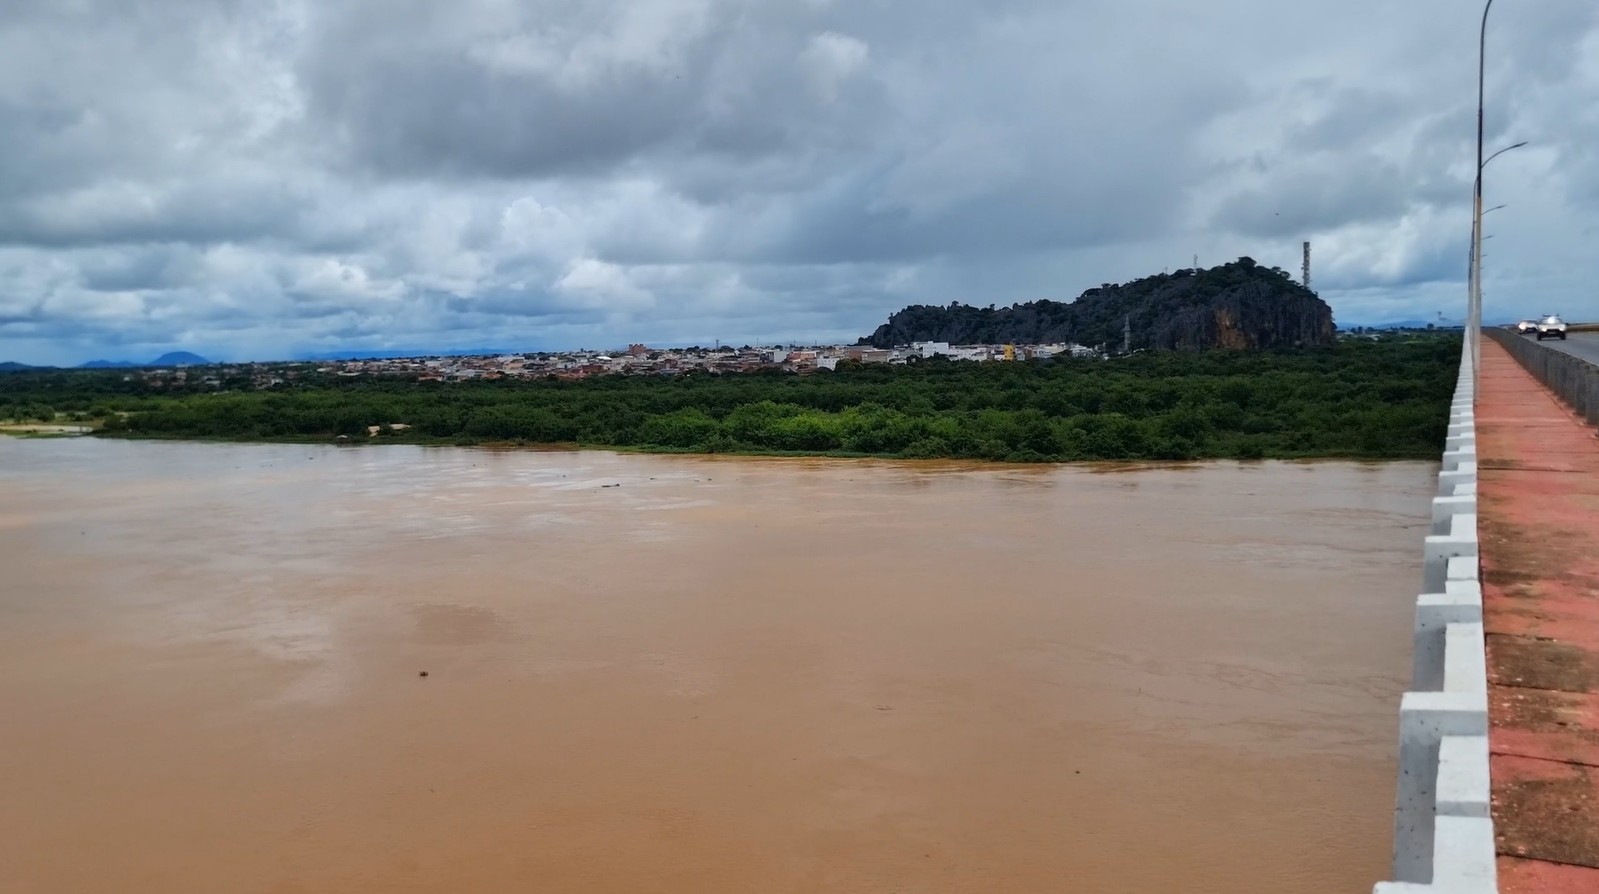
(266, 178)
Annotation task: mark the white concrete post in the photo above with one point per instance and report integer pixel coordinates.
(1438, 549)
(1443, 826)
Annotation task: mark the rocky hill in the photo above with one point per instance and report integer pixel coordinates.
(1236, 305)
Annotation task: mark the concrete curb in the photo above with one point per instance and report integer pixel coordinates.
(1443, 825)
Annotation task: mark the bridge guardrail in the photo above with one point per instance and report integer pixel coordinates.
(1574, 380)
(1443, 826)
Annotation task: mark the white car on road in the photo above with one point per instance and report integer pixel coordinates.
(1552, 326)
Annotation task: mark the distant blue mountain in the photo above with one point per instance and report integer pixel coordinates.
(13, 366)
(180, 358)
(413, 352)
(175, 358)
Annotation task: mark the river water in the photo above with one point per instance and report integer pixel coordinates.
(719, 675)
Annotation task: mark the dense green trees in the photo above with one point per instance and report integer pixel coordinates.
(1358, 399)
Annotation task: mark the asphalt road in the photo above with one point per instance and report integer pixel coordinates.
(1577, 344)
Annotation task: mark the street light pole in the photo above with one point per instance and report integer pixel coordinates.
(1474, 298)
(1474, 262)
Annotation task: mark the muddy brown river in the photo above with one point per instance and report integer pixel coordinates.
(694, 675)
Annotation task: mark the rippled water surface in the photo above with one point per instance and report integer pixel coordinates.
(722, 675)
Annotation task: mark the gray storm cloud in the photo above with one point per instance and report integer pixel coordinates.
(252, 179)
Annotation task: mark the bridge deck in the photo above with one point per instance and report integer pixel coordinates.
(1538, 487)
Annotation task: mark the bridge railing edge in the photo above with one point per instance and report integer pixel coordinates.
(1443, 825)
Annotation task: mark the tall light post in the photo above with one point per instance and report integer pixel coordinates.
(1473, 287)
(1474, 297)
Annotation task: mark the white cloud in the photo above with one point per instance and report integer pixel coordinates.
(244, 178)
(603, 283)
(832, 58)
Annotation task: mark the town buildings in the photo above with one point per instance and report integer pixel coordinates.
(637, 359)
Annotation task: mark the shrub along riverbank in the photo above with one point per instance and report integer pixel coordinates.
(1386, 399)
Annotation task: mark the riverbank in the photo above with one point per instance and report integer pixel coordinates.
(412, 440)
(1371, 400)
(43, 429)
